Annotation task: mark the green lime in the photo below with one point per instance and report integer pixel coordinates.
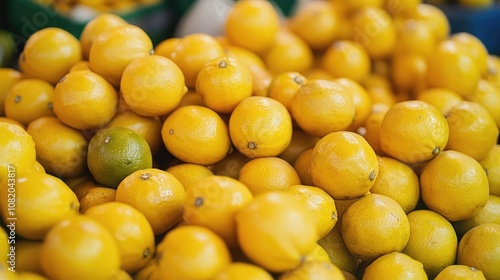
(114, 153)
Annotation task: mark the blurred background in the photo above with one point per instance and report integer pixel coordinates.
(162, 19)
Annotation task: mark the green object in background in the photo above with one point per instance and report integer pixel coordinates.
(286, 6)
(7, 51)
(24, 17)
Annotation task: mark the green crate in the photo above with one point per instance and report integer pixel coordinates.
(24, 17)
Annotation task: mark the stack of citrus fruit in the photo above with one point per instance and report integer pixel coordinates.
(353, 140)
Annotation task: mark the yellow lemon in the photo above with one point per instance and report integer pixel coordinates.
(276, 231)
(433, 241)
(380, 216)
(131, 231)
(454, 185)
(152, 85)
(260, 126)
(344, 165)
(196, 134)
(79, 248)
(213, 202)
(413, 132)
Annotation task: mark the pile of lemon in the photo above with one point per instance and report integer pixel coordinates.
(353, 140)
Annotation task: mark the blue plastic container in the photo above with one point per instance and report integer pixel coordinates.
(484, 23)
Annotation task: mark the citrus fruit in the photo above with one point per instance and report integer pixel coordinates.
(433, 241)
(242, 271)
(245, 56)
(321, 106)
(375, 31)
(9, 78)
(49, 46)
(394, 265)
(82, 65)
(131, 231)
(261, 78)
(314, 270)
(318, 254)
(30, 276)
(11, 121)
(344, 165)
(28, 256)
(450, 66)
(317, 73)
(382, 95)
(96, 26)
(300, 142)
(337, 251)
(435, 18)
(166, 47)
(479, 248)
(476, 49)
(260, 126)
(84, 100)
(60, 149)
(116, 152)
(472, 129)
(191, 98)
(372, 127)
(28, 100)
(231, 165)
(454, 185)
(252, 25)
(115, 48)
(489, 214)
(196, 134)
(491, 164)
(397, 181)
(148, 272)
(415, 37)
(192, 52)
(213, 202)
(488, 95)
(147, 127)
(6, 274)
(302, 164)
(320, 204)
(223, 83)
(192, 252)
(408, 72)
(383, 218)
(79, 248)
(413, 132)
(316, 23)
(346, 59)
(460, 272)
(96, 196)
(83, 187)
(17, 148)
(352, 5)
(41, 201)
(276, 231)
(152, 85)
(189, 173)
(4, 245)
(288, 52)
(284, 86)
(268, 174)
(157, 194)
(441, 98)
(362, 102)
